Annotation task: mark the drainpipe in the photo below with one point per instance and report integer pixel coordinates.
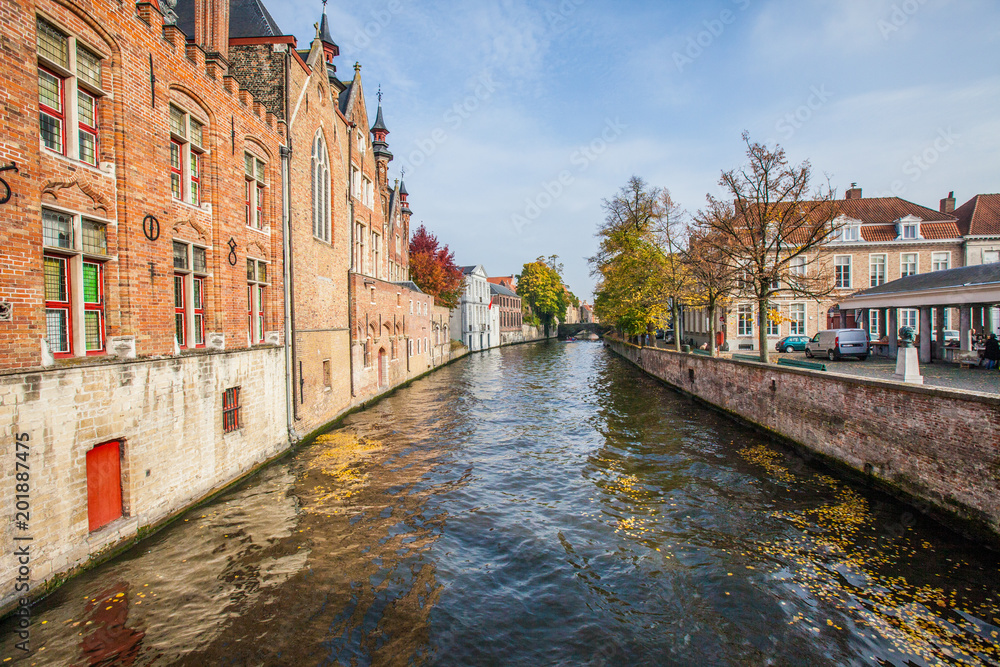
(286, 233)
(351, 301)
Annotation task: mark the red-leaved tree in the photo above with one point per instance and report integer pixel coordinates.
(433, 269)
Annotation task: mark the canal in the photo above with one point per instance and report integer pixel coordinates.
(545, 504)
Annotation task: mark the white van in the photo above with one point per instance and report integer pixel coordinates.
(836, 343)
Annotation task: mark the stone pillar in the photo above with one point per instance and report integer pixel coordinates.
(925, 334)
(965, 328)
(988, 323)
(939, 331)
(892, 331)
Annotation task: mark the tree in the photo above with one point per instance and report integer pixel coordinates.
(712, 272)
(433, 269)
(638, 263)
(540, 286)
(770, 225)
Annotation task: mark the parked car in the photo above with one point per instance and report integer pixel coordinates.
(951, 337)
(837, 343)
(792, 344)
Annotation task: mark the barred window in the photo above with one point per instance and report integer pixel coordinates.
(95, 237)
(231, 410)
(65, 87)
(57, 229)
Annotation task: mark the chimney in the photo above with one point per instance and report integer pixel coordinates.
(948, 203)
(854, 192)
(211, 28)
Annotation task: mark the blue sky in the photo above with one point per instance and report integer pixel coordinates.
(514, 119)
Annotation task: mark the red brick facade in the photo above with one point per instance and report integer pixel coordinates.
(125, 146)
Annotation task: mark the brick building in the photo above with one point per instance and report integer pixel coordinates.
(880, 239)
(142, 304)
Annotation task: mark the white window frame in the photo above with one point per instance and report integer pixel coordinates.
(257, 316)
(993, 256)
(190, 273)
(744, 320)
(910, 317)
(903, 263)
(880, 279)
(322, 205)
(939, 258)
(797, 324)
(75, 256)
(71, 85)
(850, 271)
(874, 325)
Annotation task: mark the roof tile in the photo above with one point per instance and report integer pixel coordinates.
(980, 216)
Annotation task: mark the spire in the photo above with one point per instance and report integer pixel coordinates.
(403, 194)
(330, 48)
(380, 148)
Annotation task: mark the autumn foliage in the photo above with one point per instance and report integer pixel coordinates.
(433, 269)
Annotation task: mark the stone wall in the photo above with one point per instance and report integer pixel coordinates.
(167, 415)
(938, 446)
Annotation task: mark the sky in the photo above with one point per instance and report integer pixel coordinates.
(515, 119)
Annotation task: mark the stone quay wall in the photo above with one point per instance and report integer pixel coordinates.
(167, 415)
(937, 448)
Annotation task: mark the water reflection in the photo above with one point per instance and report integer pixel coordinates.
(544, 504)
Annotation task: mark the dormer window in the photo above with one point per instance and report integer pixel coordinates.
(850, 233)
(909, 231)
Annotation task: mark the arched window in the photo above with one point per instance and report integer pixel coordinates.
(320, 189)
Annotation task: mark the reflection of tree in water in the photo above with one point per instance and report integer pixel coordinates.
(364, 593)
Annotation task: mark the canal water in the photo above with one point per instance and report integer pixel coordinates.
(545, 504)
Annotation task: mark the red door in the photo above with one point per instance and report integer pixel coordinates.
(104, 484)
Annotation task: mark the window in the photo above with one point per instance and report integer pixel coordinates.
(376, 254)
(877, 269)
(69, 87)
(104, 485)
(797, 267)
(409, 344)
(940, 261)
(991, 256)
(361, 143)
(367, 192)
(744, 314)
(320, 190)
(842, 271)
(359, 250)
(253, 168)
(74, 253)
(355, 182)
(908, 318)
(256, 283)
(850, 233)
(907, 264)
(231, 417)
(186, 148)
(874, 325)
(909, 231)
(797, 315)
(327, 376)
(774, 321)
(190, 273)
(411, 306)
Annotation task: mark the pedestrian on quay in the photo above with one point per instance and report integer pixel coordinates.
(992, 352)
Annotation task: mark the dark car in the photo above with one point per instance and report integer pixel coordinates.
(792, 344)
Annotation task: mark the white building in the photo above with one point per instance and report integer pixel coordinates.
(471, 321)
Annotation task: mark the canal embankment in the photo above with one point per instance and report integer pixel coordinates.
(934, 447)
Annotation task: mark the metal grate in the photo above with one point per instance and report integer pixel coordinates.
(200, 263)
(88, 67)
(55, 330)
(92, 330)
(52, 43)
(57, 229)
(95, 237)
(180, 255)
(177, 121)
(231, 410)
(55, 279)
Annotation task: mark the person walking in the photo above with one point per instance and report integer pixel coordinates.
(992, 352)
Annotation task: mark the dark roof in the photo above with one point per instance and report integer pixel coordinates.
(503, 291)
(981, 274)
(980, 216)
(345, 96)
(324, 31)
(468, 269)
(409, 284)
(247, 18)
(379, 123)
